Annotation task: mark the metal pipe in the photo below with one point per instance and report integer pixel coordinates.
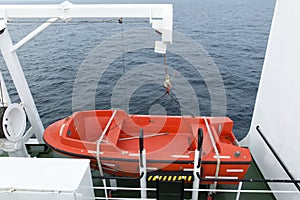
(115, 198)
(200, 190)
(242, 191)
(215, 149)
(141, 144)
(238, 194)
(251, 180)
(98, 150)
(120, 177)
(197, 164)
(145, 136)
(143, 165)
(33, 33)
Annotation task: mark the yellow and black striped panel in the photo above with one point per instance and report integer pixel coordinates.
(170, 178)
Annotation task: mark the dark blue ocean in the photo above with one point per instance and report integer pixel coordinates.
(234, 33)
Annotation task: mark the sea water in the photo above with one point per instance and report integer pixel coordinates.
(232, 34)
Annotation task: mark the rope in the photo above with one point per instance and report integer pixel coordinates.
(186, 123)
(144, 107)
(167, 83)
(165, 63)
(177, 102)
(152, 103)
(123, 56)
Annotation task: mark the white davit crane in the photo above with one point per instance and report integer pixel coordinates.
(160, 16)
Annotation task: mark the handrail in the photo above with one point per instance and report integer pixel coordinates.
(120, 177)
(199, 190)
(277, 158)
(249, 180)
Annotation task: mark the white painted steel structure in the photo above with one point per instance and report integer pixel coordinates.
(196, 170)
(6, 99)
(143, 171)
(161, 18)
(45, 179)
(159, 15)
(277, 104)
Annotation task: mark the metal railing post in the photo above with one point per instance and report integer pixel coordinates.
(197, 165)
(143, 168)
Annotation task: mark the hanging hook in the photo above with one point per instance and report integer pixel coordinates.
(167, 83)
(120, 20)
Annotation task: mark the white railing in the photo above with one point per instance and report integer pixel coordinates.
(237, 191)
(7, 190)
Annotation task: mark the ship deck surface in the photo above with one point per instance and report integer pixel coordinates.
(172, 188)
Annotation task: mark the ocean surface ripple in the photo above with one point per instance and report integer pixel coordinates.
(233, 32)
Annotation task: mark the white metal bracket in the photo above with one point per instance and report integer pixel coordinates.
(160, 15)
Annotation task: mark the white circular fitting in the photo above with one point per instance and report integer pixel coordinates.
(14, 122)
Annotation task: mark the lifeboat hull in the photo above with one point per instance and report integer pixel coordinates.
(169, 141)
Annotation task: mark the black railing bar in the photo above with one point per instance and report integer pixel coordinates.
(278, 159)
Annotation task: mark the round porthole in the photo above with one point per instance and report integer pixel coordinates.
(14, 122)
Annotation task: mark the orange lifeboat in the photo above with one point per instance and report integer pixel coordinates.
(170, 143)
